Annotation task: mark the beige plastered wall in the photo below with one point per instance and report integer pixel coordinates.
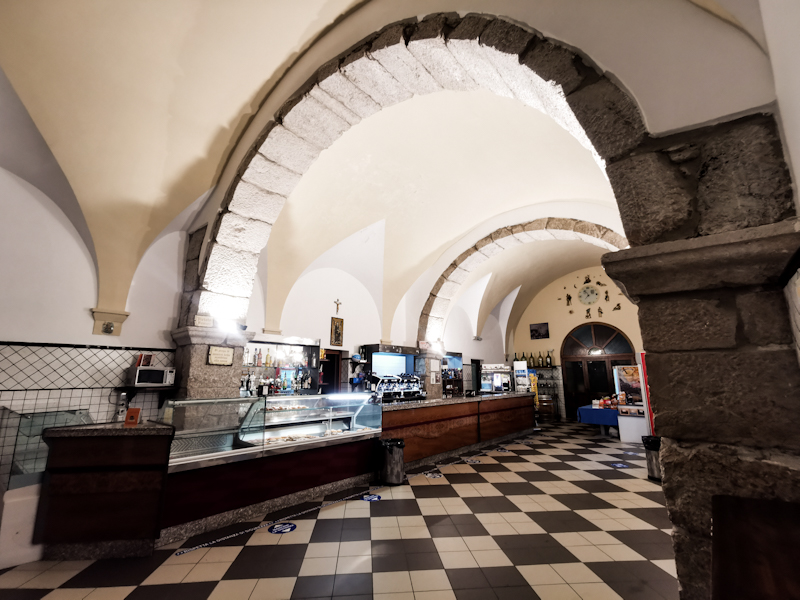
(549, 306)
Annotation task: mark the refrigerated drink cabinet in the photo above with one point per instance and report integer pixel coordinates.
(495, 378)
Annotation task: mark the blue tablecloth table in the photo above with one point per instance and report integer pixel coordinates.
(604, 417)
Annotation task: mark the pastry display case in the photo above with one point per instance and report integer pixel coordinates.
(217, 431)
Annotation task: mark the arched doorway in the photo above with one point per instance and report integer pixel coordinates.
(588, 357)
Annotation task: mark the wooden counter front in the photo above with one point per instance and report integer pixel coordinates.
(436, 429)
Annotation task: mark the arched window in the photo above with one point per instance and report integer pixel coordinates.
(588, 357)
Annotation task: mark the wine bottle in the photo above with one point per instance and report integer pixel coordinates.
(540, 360)
(515, 357)
(549, 359)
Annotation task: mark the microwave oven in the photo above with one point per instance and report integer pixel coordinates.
(152, 376)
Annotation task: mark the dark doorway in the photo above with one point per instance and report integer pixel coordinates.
(588, 355)
(329, 371)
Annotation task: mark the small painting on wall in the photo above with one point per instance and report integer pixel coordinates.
(540, 331)
(337, 331)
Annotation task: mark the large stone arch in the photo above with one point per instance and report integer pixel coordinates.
(441, 52)
(434, 312)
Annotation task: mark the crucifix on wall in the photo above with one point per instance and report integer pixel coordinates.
(337, 303)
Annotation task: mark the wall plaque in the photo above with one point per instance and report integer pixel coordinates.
(220, 356)
(203, 321)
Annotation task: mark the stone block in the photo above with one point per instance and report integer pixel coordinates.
(200, 380)
(271, 176)
(370, 76)
(553, 63)
(458, 275)
(590, 229)
(332, 104)
(743, 181)
(695, 472)
(435, 329)
(684, 323)
(427, 44)
(426, 309)
(390, 50)
(230, 272)
(609, 117)
(342, 88)
(506, 37)
(463, 44)
(508, 241)
(535, 225)
(765, 317)
(448, 290)
(615, 239)
(315, 122)
(196, 243)
(222, 306)
(286, 149)
(728, 397)
(422, 328)
(243, 234)
(755, 256)
(490, 249)
(254, 203)
(562, 224)
(472, 261)
(450, 268)
(438, 285)
(693, 564)
(191, 275)
(439, 307)
(652, 196)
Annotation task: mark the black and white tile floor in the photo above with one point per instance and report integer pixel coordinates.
(564, 515)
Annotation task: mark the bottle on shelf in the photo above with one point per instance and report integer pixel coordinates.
(549, 359)
(540, 360)
(246, 359)
(515, 356)
(268, 362)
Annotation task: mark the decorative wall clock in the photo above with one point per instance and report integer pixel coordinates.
(588, 295)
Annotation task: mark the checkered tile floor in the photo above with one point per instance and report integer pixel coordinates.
(562, 515)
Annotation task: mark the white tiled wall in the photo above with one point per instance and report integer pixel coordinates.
(36, 379)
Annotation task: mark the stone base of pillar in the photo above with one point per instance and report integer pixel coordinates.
(433, 390)
(198, 379)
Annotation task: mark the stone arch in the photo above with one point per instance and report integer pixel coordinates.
(440, 52)
(434, 312)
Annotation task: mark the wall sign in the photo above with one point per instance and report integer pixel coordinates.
(203, 321)
(220, 356)
(280, 528)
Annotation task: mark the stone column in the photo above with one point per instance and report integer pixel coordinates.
(724, 377)
(198, 379)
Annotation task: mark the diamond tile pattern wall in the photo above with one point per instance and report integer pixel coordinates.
(24, 367)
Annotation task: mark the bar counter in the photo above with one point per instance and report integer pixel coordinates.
(440, 425)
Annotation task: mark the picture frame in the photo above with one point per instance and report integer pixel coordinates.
(540, 331)
(337, 331)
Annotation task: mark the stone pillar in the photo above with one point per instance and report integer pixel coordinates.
(724, 377)
(198, 379)
(433, 390)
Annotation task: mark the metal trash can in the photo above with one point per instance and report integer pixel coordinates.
(652, 446)
(394, 468)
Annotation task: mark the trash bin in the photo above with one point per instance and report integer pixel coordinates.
(394, 468)
(652, 445)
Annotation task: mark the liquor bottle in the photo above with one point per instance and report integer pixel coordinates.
(540, 360)
(268, 362)
(530, 361)
(259, 360)
(515, 356)
(246, 360)
(549, 359)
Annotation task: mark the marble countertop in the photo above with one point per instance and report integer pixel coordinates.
(445, 401)
(109, 429)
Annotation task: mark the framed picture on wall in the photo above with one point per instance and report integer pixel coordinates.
(337, 331)
(540, 331)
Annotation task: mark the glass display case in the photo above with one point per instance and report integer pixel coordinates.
(229, 429)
